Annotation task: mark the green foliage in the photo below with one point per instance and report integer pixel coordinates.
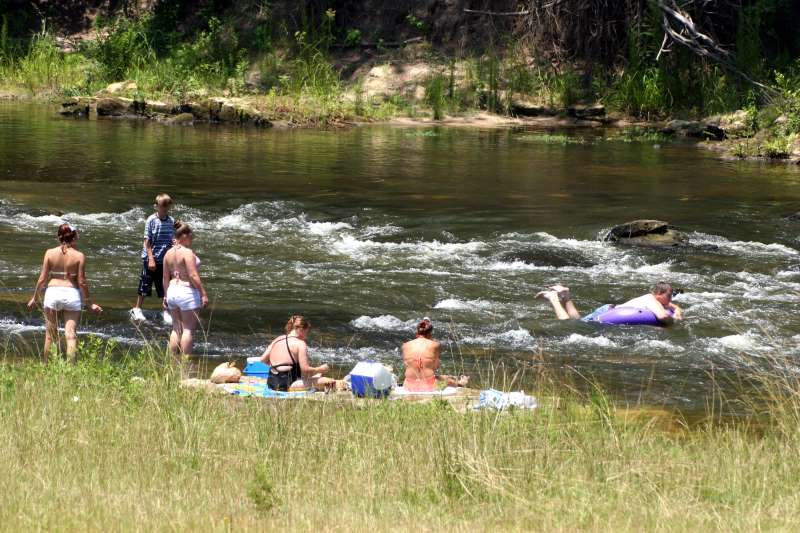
(436, 96)
(545, 138)
(352, 37)
(5, 47)
(415, 22)
(125, 49)
(642, 93)
(788, 85)
(43, 68)
(566, 88)
(261, 490)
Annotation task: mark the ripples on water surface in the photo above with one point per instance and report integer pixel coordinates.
(367, 230)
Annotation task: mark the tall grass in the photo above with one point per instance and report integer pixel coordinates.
(42, 67)
(101, 445)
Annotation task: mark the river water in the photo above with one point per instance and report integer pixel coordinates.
(366, 230)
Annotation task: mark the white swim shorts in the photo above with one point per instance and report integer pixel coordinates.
(183, 297)
(62, 299)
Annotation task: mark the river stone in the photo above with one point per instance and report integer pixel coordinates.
(736, 124)
(646, 233)
(525, 108)
(200, 110)
(159, 107)
(693, 128)
(182, 118)
(76, 107)
(121, 86)
(586, 112)
(115, 107)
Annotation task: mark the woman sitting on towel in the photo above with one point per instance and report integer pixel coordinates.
(287, 356)
(421, 357)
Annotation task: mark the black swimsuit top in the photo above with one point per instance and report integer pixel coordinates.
(293, 367)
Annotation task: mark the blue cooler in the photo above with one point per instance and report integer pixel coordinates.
(256, 368)
(370, 380)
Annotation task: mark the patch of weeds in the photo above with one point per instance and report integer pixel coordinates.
(436, 96)
(641, 135)
(421, 133)
(420, 497)
(261, 490)
(777, 148)
(548, 138)
(743, 150)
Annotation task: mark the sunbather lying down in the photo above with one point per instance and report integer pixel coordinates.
(658, 301)
(421, 357)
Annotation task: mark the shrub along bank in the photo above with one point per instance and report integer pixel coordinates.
(312, 68)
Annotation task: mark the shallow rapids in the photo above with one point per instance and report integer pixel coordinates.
(367, 230)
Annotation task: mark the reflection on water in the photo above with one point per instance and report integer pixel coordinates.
(367, 230)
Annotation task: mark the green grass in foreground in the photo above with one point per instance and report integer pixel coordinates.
(95, 447)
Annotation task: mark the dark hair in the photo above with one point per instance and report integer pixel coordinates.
(296, 322)
(661, 288)
(425, 327)
(181, 229)
(66, 236)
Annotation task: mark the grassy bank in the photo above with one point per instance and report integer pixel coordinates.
(100, 446)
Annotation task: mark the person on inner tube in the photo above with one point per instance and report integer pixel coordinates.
(658, 300)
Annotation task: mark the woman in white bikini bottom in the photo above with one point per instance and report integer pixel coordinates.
(186, 295)
(62, 299)
(181, 295)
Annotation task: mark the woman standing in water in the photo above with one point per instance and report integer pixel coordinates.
(67, 289)
(185, 293)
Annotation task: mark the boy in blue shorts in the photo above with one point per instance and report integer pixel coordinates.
(159, 230)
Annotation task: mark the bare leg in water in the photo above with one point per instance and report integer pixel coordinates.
(183, 325)
(71, 319)
(561, 300)
(51, 332)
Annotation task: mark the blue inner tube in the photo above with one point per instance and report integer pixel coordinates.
(630, 316)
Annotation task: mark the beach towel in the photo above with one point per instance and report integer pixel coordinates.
(260, 390)
(447, 391)
(499, 400)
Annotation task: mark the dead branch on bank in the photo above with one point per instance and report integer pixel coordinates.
(597, 29)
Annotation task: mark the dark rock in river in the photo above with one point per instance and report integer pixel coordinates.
(694, 128)
(182, 118)
(524, 108)
(76, 107)
(586, 112)
(116, 107)
(655, 233)
(211, 110)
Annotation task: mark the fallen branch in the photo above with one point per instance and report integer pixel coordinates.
(685, 33)
(498, 13)
(378, 44)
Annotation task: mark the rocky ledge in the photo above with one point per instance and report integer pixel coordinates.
(655, 233)
(214, 110)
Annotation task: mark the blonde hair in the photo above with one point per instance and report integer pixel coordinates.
(163, 198)
(296, 322)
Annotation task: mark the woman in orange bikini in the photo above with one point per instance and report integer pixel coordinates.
(421, 357)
